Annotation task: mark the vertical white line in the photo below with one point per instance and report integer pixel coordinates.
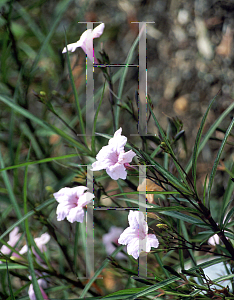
(90, 228)
(89, 81)
(142, 104)
(142, 263)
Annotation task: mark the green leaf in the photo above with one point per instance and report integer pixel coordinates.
(33, 26)
(172, 279)
(166, 174)
(9, 282)
(29, 214)
(75, 94)
(41, 161)
(28, 238)
(124, 293)
(216, 162)
(103, 265)
(228, 217)
(197, 142)
(209, 133)
(183, 217)
(43, 124)
(12, 266)
(155, 287)
(10, 190)
(228, 192)
(95, 122)
(122, 80)
(62, 5)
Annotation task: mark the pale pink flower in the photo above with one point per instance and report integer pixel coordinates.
(71, 203)
(42, 285)
(40, 242)
(113, 158)
(14, 236)
(84, 42)
(137, 230)
(112, 236)
(214, 240)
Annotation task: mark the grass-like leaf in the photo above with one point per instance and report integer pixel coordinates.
(41, 161)
(28, 236)
(9, 283)
(103, 265)
(43, 124)
(75, 94)
(27, 215)
(10, 190)
(62, 7)
(228, 192)
(165, 173)
(209, 134)
(122, 80)
(197, 142)
(216, 162)
(12, 266)
(172, 279)
(95, 123)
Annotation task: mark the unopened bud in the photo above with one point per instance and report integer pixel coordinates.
(164, 226)
(43, 94)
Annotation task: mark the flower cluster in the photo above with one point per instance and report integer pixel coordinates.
(114, 160)
(41, 241)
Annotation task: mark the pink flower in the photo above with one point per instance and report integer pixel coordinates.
(214, 240)
(112, 236)
(42, 285)
(71, 203)
(40, 242)
(14, 236)
(113, 158)
(84, 42)
(138, 230)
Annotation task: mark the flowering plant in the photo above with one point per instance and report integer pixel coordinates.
(77, 185)
(113, 158)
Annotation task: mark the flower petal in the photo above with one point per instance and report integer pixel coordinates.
(214, 240)
(63, 194)
(152, 241)
(137, 221)
(76, 214)
(127, 236)
(62, 211)
(85, 199)
(126, 157)
(133, 248)
(98, 31)
(118, 141)
(71, 47)
(23, 250)
(117, 171)
(41, 241)
(79, 190)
